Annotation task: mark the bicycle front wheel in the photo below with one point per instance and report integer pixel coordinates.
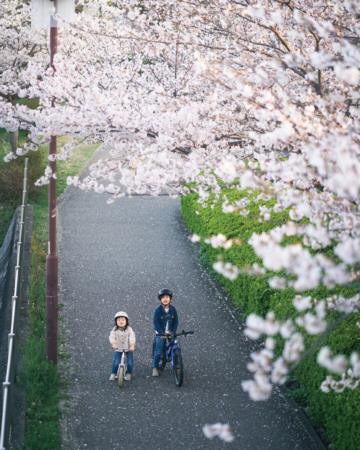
(178, 369)
(121, 376)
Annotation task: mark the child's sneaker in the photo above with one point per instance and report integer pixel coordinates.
(112, 377)
(127, 377)
(155, 372)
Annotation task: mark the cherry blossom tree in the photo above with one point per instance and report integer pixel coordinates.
(257, 95)
(19, 46)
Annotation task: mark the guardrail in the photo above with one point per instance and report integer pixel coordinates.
(5, 423)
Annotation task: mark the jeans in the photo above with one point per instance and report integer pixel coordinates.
(159, 348)
(129, 362)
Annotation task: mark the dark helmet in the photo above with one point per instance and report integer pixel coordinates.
(163, 292)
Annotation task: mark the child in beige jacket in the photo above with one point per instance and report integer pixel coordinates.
(122, 339)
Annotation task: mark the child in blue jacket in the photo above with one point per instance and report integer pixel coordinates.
(165, 322)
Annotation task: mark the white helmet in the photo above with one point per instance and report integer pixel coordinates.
(121, 314)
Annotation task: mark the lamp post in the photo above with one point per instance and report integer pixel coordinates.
(52, 258)
(43, 13)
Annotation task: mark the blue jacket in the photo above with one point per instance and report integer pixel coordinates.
(161, 317)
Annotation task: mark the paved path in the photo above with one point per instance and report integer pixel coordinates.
(116, 258)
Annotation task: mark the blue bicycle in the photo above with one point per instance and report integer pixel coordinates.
(172, 353)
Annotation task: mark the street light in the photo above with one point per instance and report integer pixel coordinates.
(42, 10)
(43, 15)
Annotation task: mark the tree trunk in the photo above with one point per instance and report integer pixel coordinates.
(14, 140)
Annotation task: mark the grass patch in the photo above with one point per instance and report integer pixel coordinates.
(38, 376)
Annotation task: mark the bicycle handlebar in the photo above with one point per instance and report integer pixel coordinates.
(183, 333)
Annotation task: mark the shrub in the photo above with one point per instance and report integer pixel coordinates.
(11, 178)
(11, 174)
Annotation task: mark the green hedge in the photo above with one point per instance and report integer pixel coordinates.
(336, 416)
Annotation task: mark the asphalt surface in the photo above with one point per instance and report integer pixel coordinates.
(116, 257)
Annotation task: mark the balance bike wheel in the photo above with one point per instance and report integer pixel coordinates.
(121, 377)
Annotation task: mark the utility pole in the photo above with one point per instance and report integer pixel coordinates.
(52, 258)
(41, 12)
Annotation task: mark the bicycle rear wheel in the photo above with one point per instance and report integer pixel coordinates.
(121, 376)
(178, 369)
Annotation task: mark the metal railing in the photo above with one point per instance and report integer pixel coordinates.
(5, 423)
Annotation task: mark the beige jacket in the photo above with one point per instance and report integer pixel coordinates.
(122, 340)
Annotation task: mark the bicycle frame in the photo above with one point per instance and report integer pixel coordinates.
(172, 345)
